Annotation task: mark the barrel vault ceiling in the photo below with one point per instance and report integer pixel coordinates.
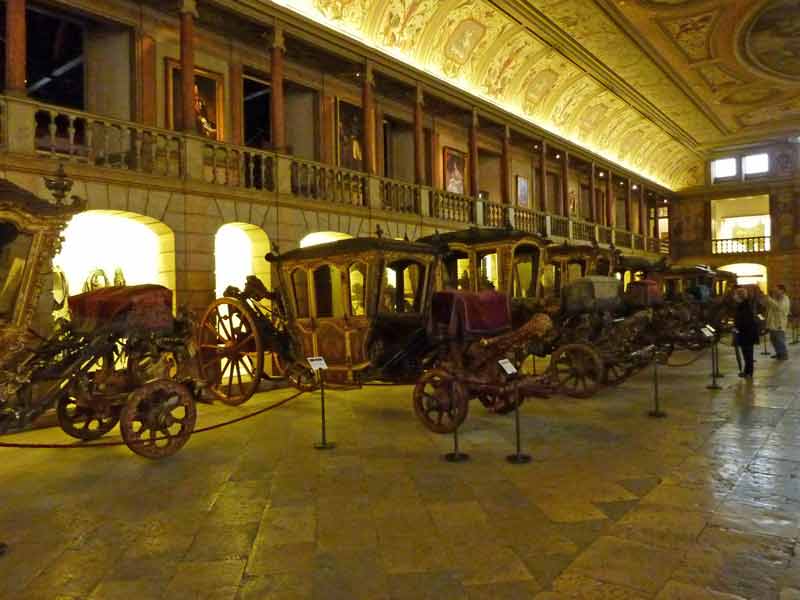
(652, 85)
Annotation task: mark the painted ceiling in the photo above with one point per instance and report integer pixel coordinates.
(648, 84)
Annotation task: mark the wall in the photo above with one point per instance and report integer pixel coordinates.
(108, 71)
(301, 123)
(490, 176)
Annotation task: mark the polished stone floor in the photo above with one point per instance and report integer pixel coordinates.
(700, 505)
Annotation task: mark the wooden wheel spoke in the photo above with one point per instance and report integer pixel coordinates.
(240, 343)
(221, 325)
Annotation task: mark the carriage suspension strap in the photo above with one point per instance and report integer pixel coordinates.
(122, 443)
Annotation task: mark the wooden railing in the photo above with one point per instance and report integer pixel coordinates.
(604, 234)
(238, 166)
(399, 196)
(653, 245)
(530, 221)
(452, 207)
(622, 238)
(559, 226)
(747, 245)
(328, 184)
(77, 136)
(494, 215)
(581, 230)
(638, 242)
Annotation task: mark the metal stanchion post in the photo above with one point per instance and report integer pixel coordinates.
(324, 444)
(795, 333)
(717, 373)
(456, 456)
(764, 352)
(518, 458)
(714, 368)
(656, 412)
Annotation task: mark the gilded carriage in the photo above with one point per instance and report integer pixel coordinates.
(568, 262)
(362, 303)
(115, 361)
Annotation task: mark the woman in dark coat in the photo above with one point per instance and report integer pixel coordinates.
(746, 329)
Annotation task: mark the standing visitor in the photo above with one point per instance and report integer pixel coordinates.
(778, 308)
(745, 329)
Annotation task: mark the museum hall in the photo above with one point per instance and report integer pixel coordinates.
(399, 299)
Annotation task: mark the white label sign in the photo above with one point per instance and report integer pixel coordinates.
(317, 363)
(507, 365)
(708, 332)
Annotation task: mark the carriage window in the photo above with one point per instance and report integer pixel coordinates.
(575, 270)
(526, 262)
(603, 267)
(358, 291)
(456, 271)
(14, 249)
(551, 279)
(402, 287)
(487, 271)
(300, 288)
(328, 291)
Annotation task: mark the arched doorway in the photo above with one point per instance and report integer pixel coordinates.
(748, 274)
(239, 250)
(104, 247)
(323, 237)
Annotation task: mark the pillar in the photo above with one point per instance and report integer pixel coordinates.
(592, 199)
(188, 15)
(419, 138)
(642, 212)
(16, 48)
(368, 109)
(543, 177)
(628, 200)
(610, 199)
(277, 116)
(505, 167)
(236, 77)
(565, 208)
(474, 183)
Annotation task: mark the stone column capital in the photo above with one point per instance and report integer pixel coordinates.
(275, 39)
(188, 7)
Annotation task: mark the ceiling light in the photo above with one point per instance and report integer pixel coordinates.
(636, 187)
(558, 156)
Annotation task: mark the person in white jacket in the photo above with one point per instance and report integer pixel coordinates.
(778, 307)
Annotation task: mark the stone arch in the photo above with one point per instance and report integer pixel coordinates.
(104, 238)
(749, 272)
(322, 237)
(244, 255)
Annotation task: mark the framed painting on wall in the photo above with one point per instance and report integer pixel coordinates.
(523, 194)
(208, 100)
(454, 166)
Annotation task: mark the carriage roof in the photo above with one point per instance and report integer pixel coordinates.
(641, 263)
(474, 236)
(352, 247)
(567, 250)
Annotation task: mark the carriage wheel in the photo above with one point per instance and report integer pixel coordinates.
(158, 418)
(231, 351)
(439, 401)
(83, 422)
(301, 377)
(616, 373)
(577, 370)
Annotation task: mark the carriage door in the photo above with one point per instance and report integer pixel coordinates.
(488, 270)
(329, 325)
(524, 277)
(575, 270)
(360, 295)
(455, 271)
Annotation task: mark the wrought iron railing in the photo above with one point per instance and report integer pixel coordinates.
(530, 221)
(559, 226)
(746, 245)
(581, 230)
(399, 196)
(638, 242)
(604, 234)
(452, 207)
(622, 238)
(328, 184)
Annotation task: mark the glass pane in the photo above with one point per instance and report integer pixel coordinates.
(575, 270)
(328, 292)
(412, 287)
(15, 247)
(358, 296)
(550, 283)
(402, 288)
(724, 167)
(526, 262)
(756, 163)
(456, 272)
(487, 271)
(300, 289)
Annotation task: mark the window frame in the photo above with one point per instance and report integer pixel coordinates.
(756, 174)
(736, 175)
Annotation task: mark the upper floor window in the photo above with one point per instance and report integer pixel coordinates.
(724, 168)
(756, 164)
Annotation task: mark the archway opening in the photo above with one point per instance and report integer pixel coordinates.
(749, 274)
(104, 248)
(239, 250)
(323, 237)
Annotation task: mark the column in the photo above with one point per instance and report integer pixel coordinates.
(543, 178)
(642, 212)
(419, 137)
(368, 109)
(188, 15)
(592, 199)
(565, 208)
(236, 77)
(16, 48)
(610, 200)
(505, 168)
(474, 186)
(628, 219)
(277, 116)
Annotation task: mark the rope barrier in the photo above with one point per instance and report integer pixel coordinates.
(700, 354)
(122, 443)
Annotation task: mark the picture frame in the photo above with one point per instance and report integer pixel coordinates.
(523, 192)
(454, 166)
(209, 110)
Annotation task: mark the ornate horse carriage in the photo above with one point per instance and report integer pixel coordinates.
(118, 360)
(362, 303)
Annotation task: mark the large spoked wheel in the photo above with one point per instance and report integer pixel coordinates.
(83, 422)
(439, 401)
(616, 373)
(231, 351)
(577, 369)
(158, 418)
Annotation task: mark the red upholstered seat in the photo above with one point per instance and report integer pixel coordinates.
(469, 313)
(147, 307)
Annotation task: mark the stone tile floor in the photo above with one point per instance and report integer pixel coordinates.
(700, 505)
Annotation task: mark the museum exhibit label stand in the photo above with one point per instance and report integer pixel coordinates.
(318, 365)
(518, 458)
(656, 412)
(711, 334)
(456, 456)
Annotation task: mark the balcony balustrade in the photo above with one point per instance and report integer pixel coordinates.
(748, 245)
(32, 128)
